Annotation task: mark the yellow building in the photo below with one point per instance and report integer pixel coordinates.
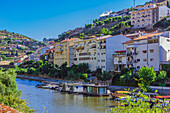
(64, 52)
(85, 52)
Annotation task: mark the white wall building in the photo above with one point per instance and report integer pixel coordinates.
(150, 50)
(97, 52)
(148, 16)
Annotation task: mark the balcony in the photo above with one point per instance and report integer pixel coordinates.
(135, 53)
(129, 62)
(129, 54)
(119, 61)
(135, 61)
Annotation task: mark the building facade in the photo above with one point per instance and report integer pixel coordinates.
(97, 52)
(152, 50)
(148, 15)
(63, 52)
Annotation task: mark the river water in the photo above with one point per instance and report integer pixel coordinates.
(49, 101)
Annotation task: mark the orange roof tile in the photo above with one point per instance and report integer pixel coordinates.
(147, 36)
(130, 41)
(19, 61)
(104, 37)
(144, 10)
(69, 40)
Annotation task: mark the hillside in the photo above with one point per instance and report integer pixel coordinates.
(14, 44)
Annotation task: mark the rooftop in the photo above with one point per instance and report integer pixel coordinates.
(148, 36)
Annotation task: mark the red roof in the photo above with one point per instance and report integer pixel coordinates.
(20, 61)
(168, 97)
(122, 51)
(69, 39)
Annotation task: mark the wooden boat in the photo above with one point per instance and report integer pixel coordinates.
(118, 94)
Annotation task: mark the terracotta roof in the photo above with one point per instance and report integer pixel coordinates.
(6, 109)
(19, 61)
(144, 10)
(147, 36)
(104, 37)
(131, 41)
(69, 40)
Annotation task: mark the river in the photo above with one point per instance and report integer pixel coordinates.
(51, 101)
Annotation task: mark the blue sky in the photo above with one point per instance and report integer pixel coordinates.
(48, 18)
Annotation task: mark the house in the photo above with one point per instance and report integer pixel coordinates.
(3, 48)
(152, 50)
(96, 90)
(64, 52)
(17, 63)
(148, 15)
(97, 52)
(13, 46)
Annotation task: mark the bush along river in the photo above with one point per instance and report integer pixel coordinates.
(51, 101)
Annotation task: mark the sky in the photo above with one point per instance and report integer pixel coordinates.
(40, 19)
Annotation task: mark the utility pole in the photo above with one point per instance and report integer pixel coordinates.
(134, 3)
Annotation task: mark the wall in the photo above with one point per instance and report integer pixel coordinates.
(113, 44)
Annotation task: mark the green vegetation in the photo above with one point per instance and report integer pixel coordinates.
(133, 105)
(9, 95)
(75, 72)
(163, 24)
(88, 26)
(146, 77)
(3, 57)
(143, 79)
(103, 76)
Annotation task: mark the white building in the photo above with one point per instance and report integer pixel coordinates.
(97, 52)
(150, 50)
(148, 15)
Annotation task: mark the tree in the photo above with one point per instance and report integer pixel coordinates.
(82, 35)
(104, 31)
(8, 84)
(168, 4)
(16, 54)
(104, 76)
(3, 57)
(162, 77)
(96, 20)
(146, 76)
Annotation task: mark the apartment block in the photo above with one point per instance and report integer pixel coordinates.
(64, 52)
(97, 52)
(148, 15)
(150, 50)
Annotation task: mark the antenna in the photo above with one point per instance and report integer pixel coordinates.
(134, 3)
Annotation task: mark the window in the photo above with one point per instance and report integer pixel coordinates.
(144, 59)
(98, 60)
(138, 60)
(152, 50)
(102, 66)
(138, 67)
(151, 59)
(102, 60)
(144, 51)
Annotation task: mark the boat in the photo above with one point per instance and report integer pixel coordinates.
(76, 88)
(96, 90)
(119, 94)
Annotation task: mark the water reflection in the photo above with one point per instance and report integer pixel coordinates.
(56, 102)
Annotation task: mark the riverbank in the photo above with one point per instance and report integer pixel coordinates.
(47, 79)
(161, 90)
(51, 100)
